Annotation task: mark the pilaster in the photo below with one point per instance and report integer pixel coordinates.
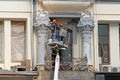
(86, 26)
(41, 26)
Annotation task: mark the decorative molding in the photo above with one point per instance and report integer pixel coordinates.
(86, 26)
(42, 21)
(42, 29)
(41, 24)
(86, 22)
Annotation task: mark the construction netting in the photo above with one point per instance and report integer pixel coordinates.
(1, 41)
(18, 35)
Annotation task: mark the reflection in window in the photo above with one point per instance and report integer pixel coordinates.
(1, 41)
(67, 55)
(119, 39)
(107, 0)
(103, 34)
(18, 41)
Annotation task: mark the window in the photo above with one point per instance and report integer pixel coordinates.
(18, 41)
(119, 40)
(1, 41)
(67, 55)
(107, 0)
(103, 35)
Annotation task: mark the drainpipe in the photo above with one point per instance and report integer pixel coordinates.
(41, 26)
(86, 26)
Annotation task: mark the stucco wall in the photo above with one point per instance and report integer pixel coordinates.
(16, 6)
(17, 11)
(108, 13)
(103, 12)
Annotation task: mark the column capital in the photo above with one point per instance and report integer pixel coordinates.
(42, 21)
(86, 22)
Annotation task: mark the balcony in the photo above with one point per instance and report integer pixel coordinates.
(66, 5)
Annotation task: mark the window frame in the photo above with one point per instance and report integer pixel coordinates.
(104, 44)
(107, 1)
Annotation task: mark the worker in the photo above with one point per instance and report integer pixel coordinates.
(55, 30)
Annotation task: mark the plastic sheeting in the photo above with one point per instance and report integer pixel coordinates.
(18, 41)
(1, 41)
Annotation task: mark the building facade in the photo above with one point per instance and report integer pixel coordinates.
(19, 37)
(105, 13)
(15, 32)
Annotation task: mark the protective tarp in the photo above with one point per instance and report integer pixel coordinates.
(1, 42)
(18, 41)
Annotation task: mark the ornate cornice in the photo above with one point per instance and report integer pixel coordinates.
(86, 22)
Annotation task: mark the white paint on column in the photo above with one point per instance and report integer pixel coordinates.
(97, 59)
(114, 43)
(7, 55)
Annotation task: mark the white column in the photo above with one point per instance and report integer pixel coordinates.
(114, 44)
(41, 24)
(28, 40)
(95, 47)
(7, 37)
(86, 25)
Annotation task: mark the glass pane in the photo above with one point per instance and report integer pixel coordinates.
(103, 29)
(18, 41)
(68, 52)
(103, 36)
(100, 51)
(107, 0)
(67, 55)
(119, 40)
(1, 41)
(103, 39)
(105, 54)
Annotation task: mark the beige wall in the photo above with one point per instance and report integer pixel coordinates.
(17, 11)
(109, 14)
(103, 13)
(15, 6)
(114, 44)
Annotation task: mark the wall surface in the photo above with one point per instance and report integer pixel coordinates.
(108, 13)
(14, 11)
(103, 13)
